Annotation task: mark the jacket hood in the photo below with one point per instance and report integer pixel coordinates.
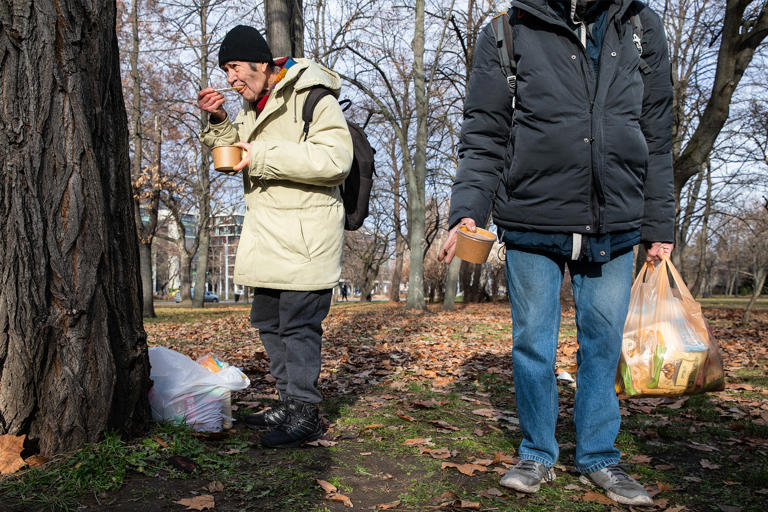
(546, 7)
(306, 74)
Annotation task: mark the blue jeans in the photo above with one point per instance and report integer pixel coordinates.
(601, 294)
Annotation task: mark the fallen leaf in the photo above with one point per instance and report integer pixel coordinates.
(327, 486)
(678, 404)
(183, 463)
(640, 459)
(387, 506)
(500, 457)
(10, 453)
(322, 442)
(467, 469)
(418, 441)
(437, 453)
(215, 486)
(474, 505)
(202, 502)
(35, 460)
(706, 464)
(373, 426)
(340, 497)
(494, 492)
(160, 442)
(444, 424)
(482, 462)
(573, 487)
(678, 508)
(488, 413)
(405, 417)
(662, 486)
(596, 497)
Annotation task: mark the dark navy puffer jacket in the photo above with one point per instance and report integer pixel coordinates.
(580, 154)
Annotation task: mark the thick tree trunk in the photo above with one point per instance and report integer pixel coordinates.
(285, 27)
(415, 179)
(451, 279)
(397, 273)
(73, 355)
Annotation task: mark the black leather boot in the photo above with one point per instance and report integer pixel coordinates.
(302, 425)
(270, 418)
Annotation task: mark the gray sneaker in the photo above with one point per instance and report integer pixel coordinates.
(618, 485)
(527, 476)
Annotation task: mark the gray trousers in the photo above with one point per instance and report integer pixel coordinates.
(290, 327)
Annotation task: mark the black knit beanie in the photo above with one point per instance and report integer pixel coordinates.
(245, 44)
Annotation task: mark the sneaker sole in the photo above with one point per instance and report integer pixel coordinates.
(520, 486)
(637, 500)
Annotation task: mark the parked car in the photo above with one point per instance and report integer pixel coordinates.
(207, 297)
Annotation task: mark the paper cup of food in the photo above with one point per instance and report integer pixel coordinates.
(226, 157)
(474, 247)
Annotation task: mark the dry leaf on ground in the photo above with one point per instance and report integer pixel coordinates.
(387, 506)
(215, 486)
(36, 460)
(331, 493)
(202, 502)
(417, 441)
(596, 497)
(706, 464)
(467, 469)
(10, 453)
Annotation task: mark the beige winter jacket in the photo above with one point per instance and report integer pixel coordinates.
(293, 230)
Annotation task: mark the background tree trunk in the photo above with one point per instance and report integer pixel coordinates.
(73, 355)
(415, 179)
(285, 27)
(449, 299)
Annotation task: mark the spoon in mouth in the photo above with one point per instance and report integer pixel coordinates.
(227, 89)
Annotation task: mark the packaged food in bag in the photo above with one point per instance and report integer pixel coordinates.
(184, 392)
(667, 347)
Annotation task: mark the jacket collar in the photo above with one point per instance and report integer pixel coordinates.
(544, 8)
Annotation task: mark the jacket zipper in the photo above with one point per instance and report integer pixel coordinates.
(590, 97)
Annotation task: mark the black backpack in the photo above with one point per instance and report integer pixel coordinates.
(356, 189)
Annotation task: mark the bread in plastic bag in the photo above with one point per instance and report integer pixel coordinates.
(667, 347)
(184, 392)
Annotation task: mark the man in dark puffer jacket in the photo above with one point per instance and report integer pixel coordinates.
(576, 174)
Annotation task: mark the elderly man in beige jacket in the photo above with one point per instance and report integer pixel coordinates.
(293, 233)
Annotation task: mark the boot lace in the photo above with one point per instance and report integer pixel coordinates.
(618, 474)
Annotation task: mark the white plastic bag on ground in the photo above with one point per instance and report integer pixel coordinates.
(186, 393)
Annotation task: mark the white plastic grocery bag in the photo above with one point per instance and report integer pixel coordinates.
(667, 349)
(184, 392)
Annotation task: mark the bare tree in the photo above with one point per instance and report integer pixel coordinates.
(744, 28)
(73, 356)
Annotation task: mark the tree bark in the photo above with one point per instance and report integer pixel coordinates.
(73, 355)
(449, 299)
(415, 179)
(285, 27)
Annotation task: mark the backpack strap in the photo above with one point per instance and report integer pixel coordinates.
(307, 111)
(505, 46)
(637, 38)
